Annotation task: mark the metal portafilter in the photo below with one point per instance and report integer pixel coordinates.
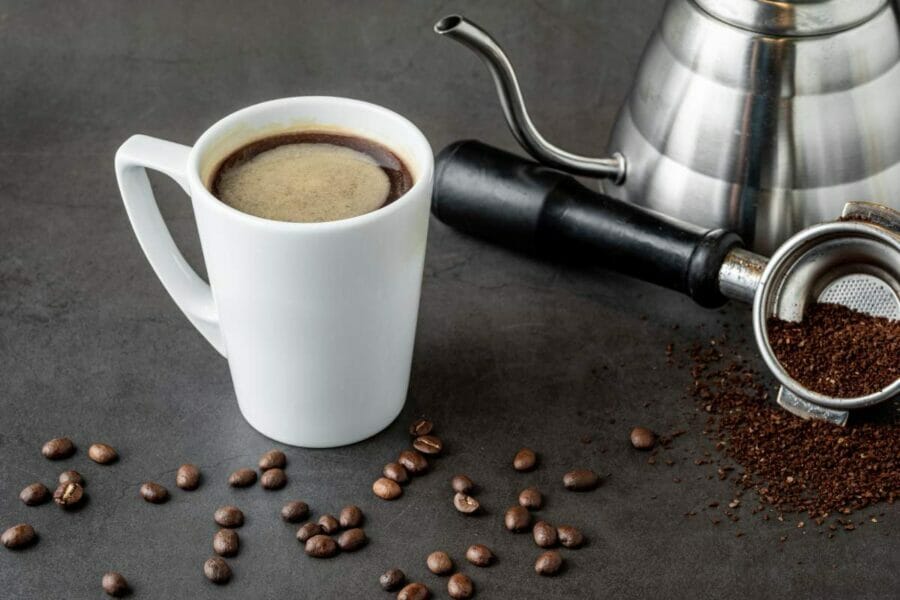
(854, 261)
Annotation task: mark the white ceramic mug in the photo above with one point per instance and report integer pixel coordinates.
(317, 320)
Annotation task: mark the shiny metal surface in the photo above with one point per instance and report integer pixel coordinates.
(740, 274)
(792, 17)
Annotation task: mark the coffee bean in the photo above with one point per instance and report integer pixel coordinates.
(115, 585)
(439, 563)
(71, 477)
(548, 563)
(217, 570)
(460, 586)
(517, 518)
(58, 448)
(352, 539)
(350, 517)
(242, 478)
(226, 542)
(413, 462)
(531, 498)
(229, 516)
(414, 591)
(321, 546)
(465, 504)
(421, 427)
(479, 555)
(329, 524)
(569, 536)
(524, 460)
(18, 536)
(544, 534)
(387, 489)
(154, 493)
(102, 454)
(642, 438)
(295, 511)
(462, 484)
(68, 495)
(395, 472)
(34, 494)
(309, 530)
(273, 479)
(188, 477)
(581, 480)
(428, 444)
(273, 459)
(391, 579)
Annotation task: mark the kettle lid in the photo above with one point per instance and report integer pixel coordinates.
(793, 17)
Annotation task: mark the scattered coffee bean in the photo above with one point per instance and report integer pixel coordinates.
(217, 570)
(352, 539)
(544, 534)
(309, 530)
(229, 516)
(321, 546)
(350, 517)
(34, 494)
(188, 477)
(428, 444)
(517, 518)
(421, 427)
(439, 563)
(68, 495)
(273, 479)
(460, 586)
(102, 454)
(465, 504)
(329, 524)
(569, 536)
(395, 472)
(391, 579)
(387, 489)
(548, 563)
(242, 478)
(462, 484)
(414, 591)
(642, 438)
(413, 462)
(295, 511)
(479, 555)
(273, 459)
(524, 460)
(18, 536)
(58, 448)
(71, 477)
(581, 480)
(154, 492)
(226, 542)
(531, 498)
(115, 585)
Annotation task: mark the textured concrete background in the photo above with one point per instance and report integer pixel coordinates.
(509, 352)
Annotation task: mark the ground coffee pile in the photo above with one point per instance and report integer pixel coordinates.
(837, 351)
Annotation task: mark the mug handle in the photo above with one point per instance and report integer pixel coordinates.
(192, 295)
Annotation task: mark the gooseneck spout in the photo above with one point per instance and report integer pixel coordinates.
(479, 41)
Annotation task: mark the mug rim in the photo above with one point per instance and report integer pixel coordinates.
(418, 141)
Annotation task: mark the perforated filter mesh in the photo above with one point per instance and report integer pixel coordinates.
(863, 293)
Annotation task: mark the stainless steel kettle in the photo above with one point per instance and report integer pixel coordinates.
(759, 116)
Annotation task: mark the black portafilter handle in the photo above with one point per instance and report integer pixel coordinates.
(501, 197)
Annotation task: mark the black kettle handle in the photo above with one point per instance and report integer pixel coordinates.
(501, 197)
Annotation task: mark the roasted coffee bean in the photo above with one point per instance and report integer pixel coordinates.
(414, 591)
(531, 498)
(295, 511)
(387, 489)
(548, 563)
(68, 495)
(58, 448)
(421, 427)
(460, 586)
(229, 516)
(18, 536)
(115, 585)
(461, 484)
(428, 444)
(569, 536)
(479, 555)
(413, 462)
(581, 480)
(352, 539)
(544, 534)
(308, 530)
(329, 524)
(242, 478)
(391, 579)
(465, 504)
(188, 477)
(217, 570)
(226, 542)
(273, 479)
(71, 477)
(273, 459)
(524, 460)
(642, 438)
(350, 517)
(102, 454)
(34, 494)
(395, 472)
(439, 563)
(154, 493)
(517, 518)
(321, 546)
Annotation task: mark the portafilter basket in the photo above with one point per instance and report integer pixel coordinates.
(854, 261)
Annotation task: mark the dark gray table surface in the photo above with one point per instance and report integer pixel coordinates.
(509, 351)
